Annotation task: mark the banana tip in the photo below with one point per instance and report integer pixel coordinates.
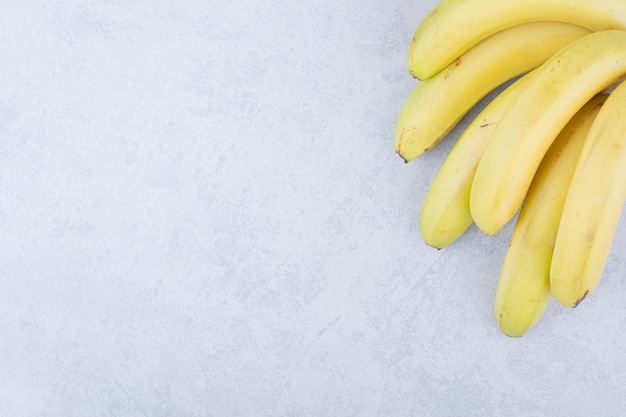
(580, 300)
(406, 161)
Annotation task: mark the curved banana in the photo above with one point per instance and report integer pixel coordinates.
(524, 286)
(445, 213)
(435, 105)
(557, 91)
(593, 206)
(452, 27)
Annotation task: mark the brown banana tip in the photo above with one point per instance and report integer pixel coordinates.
(580, 300)
(401, 156)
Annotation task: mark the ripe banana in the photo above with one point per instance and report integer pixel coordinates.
(593, 206)
(452, 27)
(435, 105)
(445, 213)
(557, 91)
(524, 286)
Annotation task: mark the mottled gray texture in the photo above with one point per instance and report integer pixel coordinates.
(201, 214)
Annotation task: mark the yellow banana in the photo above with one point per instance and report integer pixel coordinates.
(593, 206)
(445, 213)
(524, 286)
(452, 27)
(435, 105)
(556, 92)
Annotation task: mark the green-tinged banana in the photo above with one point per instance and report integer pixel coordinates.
(528, 127)
(452, 27)
(524, 286)
(445, 213)
(593, 206)
(435, 105)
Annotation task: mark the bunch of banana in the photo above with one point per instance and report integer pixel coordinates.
(551, 147)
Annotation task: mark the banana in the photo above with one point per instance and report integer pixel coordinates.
(445, 213)
(559, 88)
(435, 105)
(452, 27)
(593, 206)
(523, 290)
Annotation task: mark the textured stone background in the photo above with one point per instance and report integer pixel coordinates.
(201, 214)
